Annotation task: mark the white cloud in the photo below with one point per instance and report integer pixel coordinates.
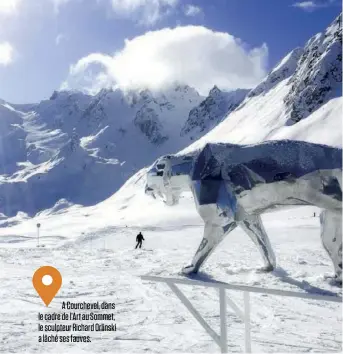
(146, 12)
(59, 38)
(6, 53)
(313, 5)
(191, 10)
(9, 7)
(193, 55)
(306, 5)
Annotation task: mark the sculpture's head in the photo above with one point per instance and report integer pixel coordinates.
(167, 178)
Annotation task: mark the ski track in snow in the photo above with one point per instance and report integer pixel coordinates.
(104, 266)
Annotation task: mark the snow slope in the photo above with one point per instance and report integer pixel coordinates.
(12, 139)
(264, 118)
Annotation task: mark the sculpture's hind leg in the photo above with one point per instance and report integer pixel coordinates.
(331, 235)
(213, 235)
(252, 225)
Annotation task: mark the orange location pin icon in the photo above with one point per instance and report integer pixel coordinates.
(47, 281)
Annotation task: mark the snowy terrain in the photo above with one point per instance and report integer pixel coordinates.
(93, 249)
(89, 233)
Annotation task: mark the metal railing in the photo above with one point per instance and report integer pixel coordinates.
(224, 300)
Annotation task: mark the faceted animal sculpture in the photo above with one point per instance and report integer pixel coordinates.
(233, 185)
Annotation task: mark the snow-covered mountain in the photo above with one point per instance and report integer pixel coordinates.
(12, 139)
(81, 148)
(211, 111)
(302, 82)
(301, 98)
(318, 75)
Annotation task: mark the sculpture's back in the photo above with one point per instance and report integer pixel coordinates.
(274, 173)
(268, 160)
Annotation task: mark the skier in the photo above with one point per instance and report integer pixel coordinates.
(139, 240)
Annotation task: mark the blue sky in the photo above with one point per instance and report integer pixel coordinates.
(48, 43)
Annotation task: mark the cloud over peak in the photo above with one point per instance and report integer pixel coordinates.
(6, 53)
(194, 55)
(9, 7)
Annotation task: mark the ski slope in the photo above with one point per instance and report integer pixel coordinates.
(93, 248)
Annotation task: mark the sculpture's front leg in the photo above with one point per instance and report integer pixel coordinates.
(213, 235)
(331, 235)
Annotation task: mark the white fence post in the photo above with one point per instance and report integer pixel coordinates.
(223, 324)
(194, 312)
(247, 322)
(223, 299)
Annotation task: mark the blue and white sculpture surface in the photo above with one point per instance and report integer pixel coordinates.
(233, 185)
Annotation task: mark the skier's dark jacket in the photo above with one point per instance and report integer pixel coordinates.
(139, 237)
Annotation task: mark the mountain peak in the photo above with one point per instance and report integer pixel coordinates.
(214, 91)
(211, 111)
(283, 70)
(318, 75)
(185, 88)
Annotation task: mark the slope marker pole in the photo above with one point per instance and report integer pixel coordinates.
(38, 227)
